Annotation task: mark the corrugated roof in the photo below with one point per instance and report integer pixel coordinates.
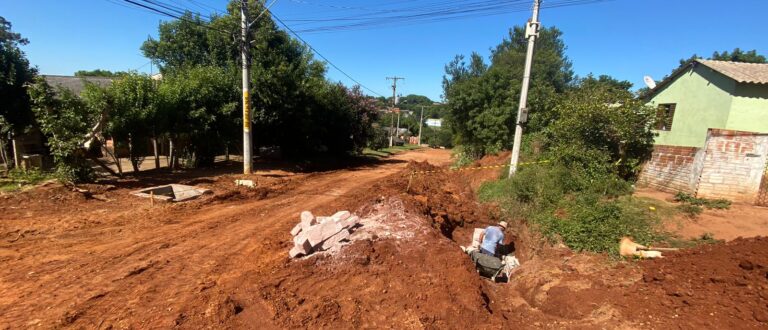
(76, 84)
(751, 73)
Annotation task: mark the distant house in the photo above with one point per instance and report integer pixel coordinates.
(76, 84)
(431, 122)
(712, 131)
(29, 149)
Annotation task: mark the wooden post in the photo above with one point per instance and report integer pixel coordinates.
(151, 198)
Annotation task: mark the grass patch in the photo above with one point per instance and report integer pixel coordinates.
(18, 179)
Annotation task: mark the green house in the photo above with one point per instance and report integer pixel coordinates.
(712, 132)
(707, 95)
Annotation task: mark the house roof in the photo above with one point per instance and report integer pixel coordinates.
(748, 73)
(76, 84)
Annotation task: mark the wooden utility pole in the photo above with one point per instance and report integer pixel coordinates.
(531, 32)
(421, 123)
(394, 105)
(244, 52)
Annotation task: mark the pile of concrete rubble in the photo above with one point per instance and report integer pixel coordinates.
(321, 233)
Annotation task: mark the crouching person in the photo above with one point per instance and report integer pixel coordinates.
(491, 238)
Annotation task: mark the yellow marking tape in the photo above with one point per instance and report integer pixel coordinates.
(477, 168)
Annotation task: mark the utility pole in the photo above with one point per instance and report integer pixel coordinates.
(244, 52)
(394, 104)
(531, 32)
(421, 123)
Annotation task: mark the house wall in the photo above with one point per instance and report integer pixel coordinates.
(703, 99)
(671, 169)
(749, 109)
(733, 165)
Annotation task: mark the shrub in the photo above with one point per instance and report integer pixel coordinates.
(586, 212)
(719, 204)
(597, 225)
(690, 210)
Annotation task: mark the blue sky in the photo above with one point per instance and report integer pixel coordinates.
(623, 38)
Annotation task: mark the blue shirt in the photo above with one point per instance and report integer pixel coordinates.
(493, 236)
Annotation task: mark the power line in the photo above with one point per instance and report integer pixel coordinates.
(321, 55)
(163, 12)
(166, 13)
(427, 13)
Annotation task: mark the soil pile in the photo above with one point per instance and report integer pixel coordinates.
(719, 285)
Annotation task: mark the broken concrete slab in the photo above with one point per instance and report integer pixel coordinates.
(172, 192)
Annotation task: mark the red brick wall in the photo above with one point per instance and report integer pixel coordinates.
(671, 169)
(733, 165)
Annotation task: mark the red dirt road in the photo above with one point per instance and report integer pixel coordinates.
(70, 261)
(107, 260)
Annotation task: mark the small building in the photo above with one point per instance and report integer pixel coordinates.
(712, 131)
(431, 122)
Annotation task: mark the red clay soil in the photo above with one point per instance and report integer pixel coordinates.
(72, 260)
(740, 220)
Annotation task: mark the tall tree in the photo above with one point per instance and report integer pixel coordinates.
(15, 72)
(482, 99)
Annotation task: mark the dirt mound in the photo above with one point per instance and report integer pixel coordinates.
(719, 285)
(420, 280)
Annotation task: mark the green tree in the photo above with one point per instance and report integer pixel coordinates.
(200, 106)
(99, 73)
(601, 129)
(15, 72)
(482, 99)
(133, 115)
(66, 121)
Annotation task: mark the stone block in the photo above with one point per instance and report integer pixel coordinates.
(296, 229)
(296, 251)
(319, 233)
(307, 220)
(476, 237)
(335, 239)
(350, 222)
(341, 215)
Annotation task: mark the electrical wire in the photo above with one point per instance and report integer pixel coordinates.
(166, 13)
(321, 55)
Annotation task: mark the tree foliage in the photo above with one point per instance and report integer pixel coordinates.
(15, 72)
(65, 120)
(601, 128)
(482, 98)
(99, 73)
(737, 55)
(294, 106)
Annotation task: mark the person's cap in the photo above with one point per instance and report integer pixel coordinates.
(503, 224)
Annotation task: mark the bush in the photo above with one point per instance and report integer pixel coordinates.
(595, 225)
(720, 204)
(586, 212)
(690, 210)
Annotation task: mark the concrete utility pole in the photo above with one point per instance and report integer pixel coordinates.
(531, 32)
(421, 123)
(245, 53)
(394, 104)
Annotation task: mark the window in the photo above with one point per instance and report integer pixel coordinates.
(664, 115)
